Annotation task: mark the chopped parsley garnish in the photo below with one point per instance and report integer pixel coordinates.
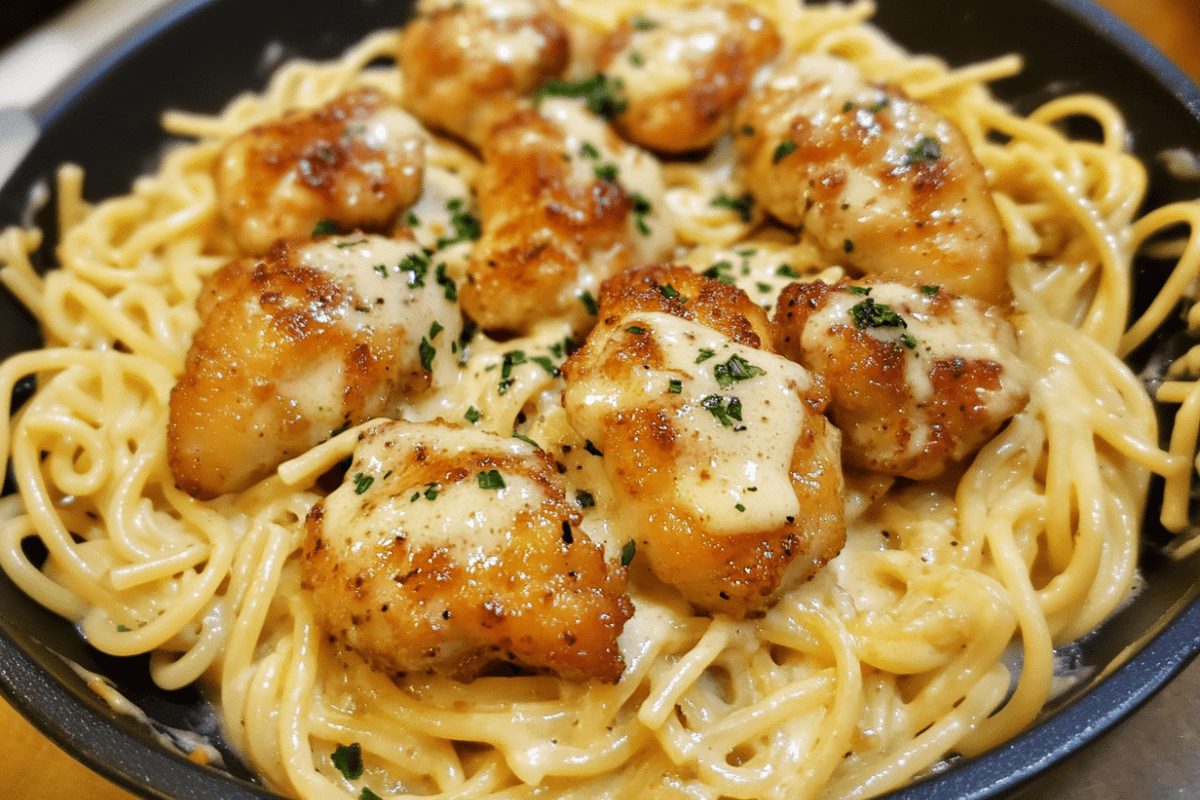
(123, 629)
(869, 314)
(606, 172)
(721, 271)
(381, 269)
(427, 352)
(344, 245)
(763, 287)
(705, 355)
(584, 499)
(589, 303)
(473, 415)
(446, 282)
(588, 150)
(858, 289)
(785, 149)
(545, 363)
(643, 24)
(431, 491)
(362, 482)
(635, 58)
(417, 267)
(848, 245)
(591, 448)
(412, 220)
(325, 227)
(671, 293)
(740, 507)
(526, 440)
(635, 330)
(926, 150)
(930, 291)
(628, 552)
(367, 794)
(348, 759)
(435, 329)
(725, 409)
(740, 205)
(675, 386)
(490, 479)
(786, 271)
(604, 96)
(641, 207)
(848, 105)
(466, 225)
(878, 105)
(735, 370)
(512, 359)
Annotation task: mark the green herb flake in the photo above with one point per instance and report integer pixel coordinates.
(675, 386)
(742, 205)
(848, 245)
(869, 314)
(417, 267)
(635, 58)
(735, 370)
(908, 340)
(344, 245)
(727, 410)
(381, 269)
(643, 24)
(721, 271)
(930, 291)
(431, 491)
(763, 287)
(348, 759)
(526, 440)
(325, 227)
(513, 358)
(367, 794)
(926, 150)
(588, 150)
(785, 149)
(584, 499)
(467, 228)
(446, 282)
(604, 96)
(705, 355)
(635, 330)
(740, 507)
(412, 220)
(123, 629)
(858, 289)
(490, 479)
(362, 482)
(547, 364)
(427, 352)
(606, 172)
(473, 415)
(628, 552)
(589, 303)
(671, 293)
(435, 329)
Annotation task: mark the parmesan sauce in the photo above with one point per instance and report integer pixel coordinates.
(374, 505)
(732, 474)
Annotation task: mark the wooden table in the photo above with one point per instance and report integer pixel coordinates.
(33, 768)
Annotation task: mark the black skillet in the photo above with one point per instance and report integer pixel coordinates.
(198, 54)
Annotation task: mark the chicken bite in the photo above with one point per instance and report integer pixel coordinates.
(883, 183)
(466, 64)
(292, 347)
(564, 204)
(356, 162)
(919, 377)
(448, 549)
(683, 69)
(715, 446)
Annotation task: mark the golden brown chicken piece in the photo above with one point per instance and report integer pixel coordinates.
(466, 64)
(564, 204)
(683, 70)
(356, 162)
(307, 340)
(883, 183)
(449, 549)
(715, 445)
(919, 377)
